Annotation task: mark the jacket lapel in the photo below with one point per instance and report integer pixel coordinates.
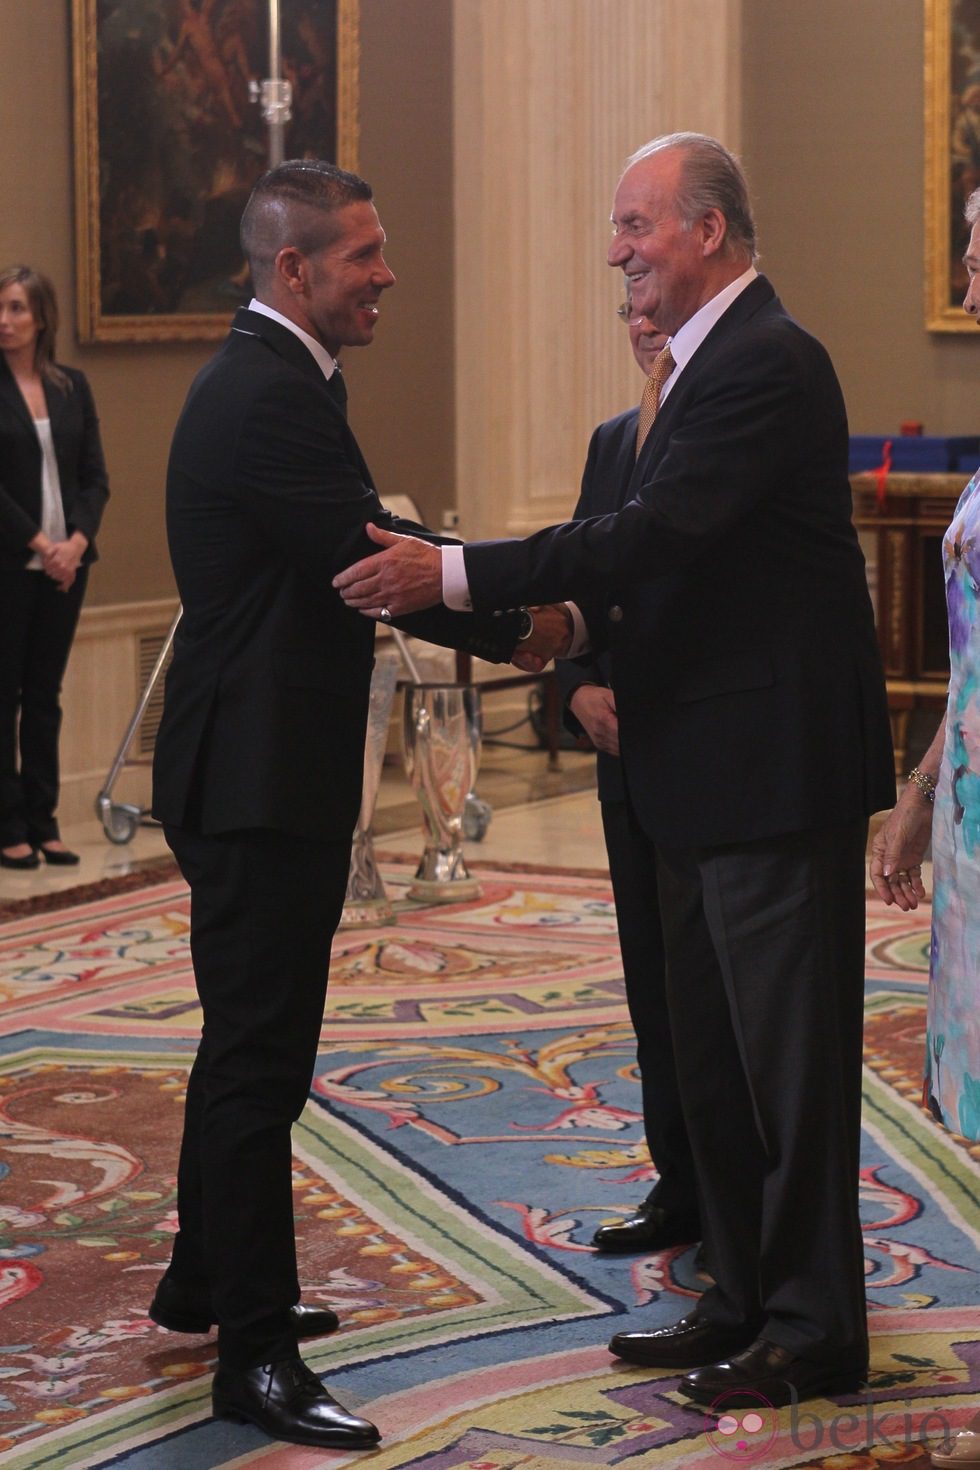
(742, 309)
(282, 341)
(625, 462)
(11, 396)
(289, 347)
(57, 403)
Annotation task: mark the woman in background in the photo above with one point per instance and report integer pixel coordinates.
(941, 803)
(53, 488)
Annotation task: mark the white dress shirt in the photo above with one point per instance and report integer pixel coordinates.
(326, 362)
(52, 506)
(689, 338)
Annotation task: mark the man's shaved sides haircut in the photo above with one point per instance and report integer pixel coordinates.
(292, 204)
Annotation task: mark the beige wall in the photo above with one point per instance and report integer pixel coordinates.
(833, 142)
(138, 389)
(832, 138)
(402, 396)
(402, 387)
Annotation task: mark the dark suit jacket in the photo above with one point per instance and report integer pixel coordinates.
(81, 465)
(266, 698)
(605, 483)
(730, 591)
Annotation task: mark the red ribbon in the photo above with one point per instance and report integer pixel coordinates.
(882, 473)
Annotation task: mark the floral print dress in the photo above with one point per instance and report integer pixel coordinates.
(953, 1037)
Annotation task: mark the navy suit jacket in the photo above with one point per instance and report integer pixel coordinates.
(730, 591)
(605, 483)
(266, 699)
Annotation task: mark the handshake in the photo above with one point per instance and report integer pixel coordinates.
(406, 576)
(550, 637)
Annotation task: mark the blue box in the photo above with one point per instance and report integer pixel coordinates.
(913, 453)
(865, 452)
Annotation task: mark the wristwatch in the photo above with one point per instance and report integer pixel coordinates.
(526, 625)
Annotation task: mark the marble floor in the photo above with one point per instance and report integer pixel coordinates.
(539, 816)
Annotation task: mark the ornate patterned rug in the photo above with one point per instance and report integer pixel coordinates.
(474, 1117)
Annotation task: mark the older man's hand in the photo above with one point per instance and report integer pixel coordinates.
(551, 638)
(594, 706)
(404, 578)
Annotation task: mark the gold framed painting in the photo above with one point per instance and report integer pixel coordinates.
(169, 142)
(952, 93)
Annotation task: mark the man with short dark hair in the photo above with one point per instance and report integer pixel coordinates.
(754, 735)
(257, 771)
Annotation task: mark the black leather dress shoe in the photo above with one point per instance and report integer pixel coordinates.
(22, 864)
(687, 1344)
(181, 1310)
(650, 1229)
(774, 1373)
(289, 1402)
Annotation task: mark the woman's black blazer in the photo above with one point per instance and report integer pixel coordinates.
(81, 465)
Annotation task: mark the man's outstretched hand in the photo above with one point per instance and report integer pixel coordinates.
(404, 578)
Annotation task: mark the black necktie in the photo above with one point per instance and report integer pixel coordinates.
(337, 389)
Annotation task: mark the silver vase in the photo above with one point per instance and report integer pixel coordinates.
(441, 735)
(366, 903)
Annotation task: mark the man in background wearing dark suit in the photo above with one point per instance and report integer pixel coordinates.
(753, 731)
(258, 766)
(669, 1214)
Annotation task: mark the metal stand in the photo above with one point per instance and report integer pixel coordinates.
(367, 903)
(274, 93)
(120, 819)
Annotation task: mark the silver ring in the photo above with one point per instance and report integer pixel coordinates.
(385, 614)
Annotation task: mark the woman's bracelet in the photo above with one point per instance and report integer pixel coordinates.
(924, 783)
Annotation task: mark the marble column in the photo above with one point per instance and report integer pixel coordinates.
(551, 96)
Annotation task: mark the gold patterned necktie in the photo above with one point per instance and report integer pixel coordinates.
(663, 366)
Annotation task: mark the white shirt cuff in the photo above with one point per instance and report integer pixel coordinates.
(456, 595)
(455, 586)
(581, 642)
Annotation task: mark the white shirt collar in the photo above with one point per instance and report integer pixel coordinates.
(327, 364)
(687, 341)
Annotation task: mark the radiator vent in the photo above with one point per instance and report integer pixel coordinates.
(148, 651)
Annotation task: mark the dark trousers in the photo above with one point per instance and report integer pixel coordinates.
(765, 983)
(37, 625)
(633, 870)
(264, 907)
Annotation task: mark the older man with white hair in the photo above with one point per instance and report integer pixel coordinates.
(730, 592)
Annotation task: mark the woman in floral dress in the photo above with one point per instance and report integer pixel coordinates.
(942, 801)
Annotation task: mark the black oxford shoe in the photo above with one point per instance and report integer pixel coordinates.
(650, 1229)
(689, 1343)
(288, 1401)
(179, 1309)
(774, 1373)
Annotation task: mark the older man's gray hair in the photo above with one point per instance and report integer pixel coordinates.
(711, 178)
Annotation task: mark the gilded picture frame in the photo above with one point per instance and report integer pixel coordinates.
(168, 144)
(952, 119)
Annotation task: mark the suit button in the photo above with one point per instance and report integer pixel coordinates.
(615, 613)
